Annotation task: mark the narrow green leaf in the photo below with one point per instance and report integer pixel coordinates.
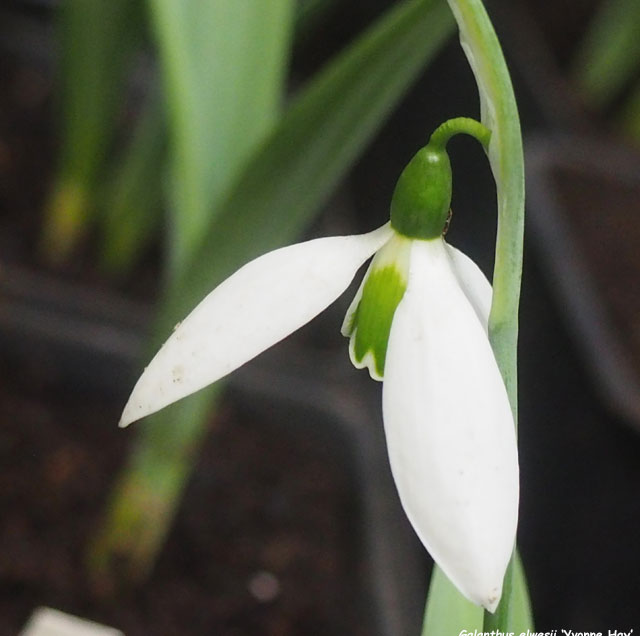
(309, 13)
(224, 66)
(318, 139)
(97, 39)
(521, 615)
(609, 54)
(133, 208)
(629, 120)
(133, 199)
(448, 612)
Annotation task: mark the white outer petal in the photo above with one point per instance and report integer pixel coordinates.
(474, 283)
(449, 429)
(259, 305)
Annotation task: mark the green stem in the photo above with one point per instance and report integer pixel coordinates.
(457, 126)
(500, 114)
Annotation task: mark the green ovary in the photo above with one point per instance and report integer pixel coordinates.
(382, 292)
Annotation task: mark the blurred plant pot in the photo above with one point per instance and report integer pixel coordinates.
(78, 347)
(584, 213)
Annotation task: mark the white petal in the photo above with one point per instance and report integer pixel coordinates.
(474, 283)
(259, 305)
(449, 429)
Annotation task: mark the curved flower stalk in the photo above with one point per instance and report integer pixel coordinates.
(419, 323)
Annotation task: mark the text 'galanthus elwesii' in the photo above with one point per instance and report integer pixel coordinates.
(419, 323)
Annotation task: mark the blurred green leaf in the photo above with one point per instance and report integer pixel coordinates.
(630, 117)
(521, 615)
(309, 13)
(133, 206)
(96, 42)
(448, 612)
(609, 54)
(224, 67)
(133, 200)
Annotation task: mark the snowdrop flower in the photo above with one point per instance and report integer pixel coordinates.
(419, 320)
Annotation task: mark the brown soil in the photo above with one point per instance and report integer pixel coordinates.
(263, 543)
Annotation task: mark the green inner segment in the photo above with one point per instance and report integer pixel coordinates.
(382, 292)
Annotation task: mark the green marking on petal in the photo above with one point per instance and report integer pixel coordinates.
(382, 293)
(369, 325)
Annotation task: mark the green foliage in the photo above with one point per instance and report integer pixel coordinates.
(448, 612)
(97, 39)
(134, 195)
(609, 54)
(224, 67)
(630, 119)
